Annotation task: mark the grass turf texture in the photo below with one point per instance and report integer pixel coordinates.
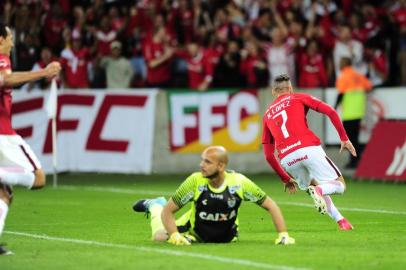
(88, 223)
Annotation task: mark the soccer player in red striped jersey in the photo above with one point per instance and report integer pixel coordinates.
(303, 161)
(18, 163)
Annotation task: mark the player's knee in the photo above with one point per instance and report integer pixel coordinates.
(342, 187)
(39, 181)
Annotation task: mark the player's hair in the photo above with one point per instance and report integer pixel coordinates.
(3, 30)
(279, 82)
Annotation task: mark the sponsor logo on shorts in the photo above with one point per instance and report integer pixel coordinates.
(287, 148)
(296, 160)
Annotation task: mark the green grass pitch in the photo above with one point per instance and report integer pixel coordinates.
(87, 223)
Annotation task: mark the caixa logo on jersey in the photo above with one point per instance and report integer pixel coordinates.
(217, 216)
(228, 118)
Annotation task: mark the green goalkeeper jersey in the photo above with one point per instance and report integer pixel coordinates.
(214, 212)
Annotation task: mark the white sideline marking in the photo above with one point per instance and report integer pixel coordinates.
(160, 250)
(165, 193)
(118, 190)
(349, 208)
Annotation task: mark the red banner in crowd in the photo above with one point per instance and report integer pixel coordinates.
(384, 157)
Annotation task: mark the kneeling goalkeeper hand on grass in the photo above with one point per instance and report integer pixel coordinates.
(284, 239)
(179, 240)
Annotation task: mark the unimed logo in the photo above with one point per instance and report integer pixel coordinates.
(398, 165)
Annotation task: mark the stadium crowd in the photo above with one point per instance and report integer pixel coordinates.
(208, 43)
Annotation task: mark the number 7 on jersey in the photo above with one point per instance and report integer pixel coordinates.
(284, 116)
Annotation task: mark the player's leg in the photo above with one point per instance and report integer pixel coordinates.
(19, 165)
(325, 172)
(328, 180)
(293, 164)
(154, 208)
(5, 201)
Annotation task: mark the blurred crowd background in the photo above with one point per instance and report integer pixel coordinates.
(203, 44)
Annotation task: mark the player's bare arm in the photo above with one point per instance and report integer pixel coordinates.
(168, 217)
(275, 213)
(168, 220)
(10, 79)
(279, 222)
(348, 145)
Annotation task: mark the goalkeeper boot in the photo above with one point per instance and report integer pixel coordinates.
(319, 202)
(4, 251)
(144, 204)
(344, 225)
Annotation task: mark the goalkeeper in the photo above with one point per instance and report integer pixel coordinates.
(216, 196)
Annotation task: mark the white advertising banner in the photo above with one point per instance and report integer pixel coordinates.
(383, 103)
(228, 118)
(98, 131)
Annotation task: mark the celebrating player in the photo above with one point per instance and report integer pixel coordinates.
(216, 196)
(18, 164)
(300, 152)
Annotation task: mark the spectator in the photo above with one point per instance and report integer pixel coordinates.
(199, 66)
(228, 69)
(181, 20)
(119, 71)
(158, 55)
(105, 35)
(75, 63)
(254, 66)
(27, 51)
(347, 47)
(377, 65)
(280, 55)
(312, 72)
(52, 28)
(46, 58)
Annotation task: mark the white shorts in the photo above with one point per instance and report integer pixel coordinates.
(308, 163)
(14, 151)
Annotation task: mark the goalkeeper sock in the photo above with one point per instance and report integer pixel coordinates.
(332, 210)
(17, 176)
(156, 221)
(331, 187)
(3, 215)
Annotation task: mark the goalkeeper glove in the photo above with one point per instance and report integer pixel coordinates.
(284, 239)
(177, 239)
(190, 238)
